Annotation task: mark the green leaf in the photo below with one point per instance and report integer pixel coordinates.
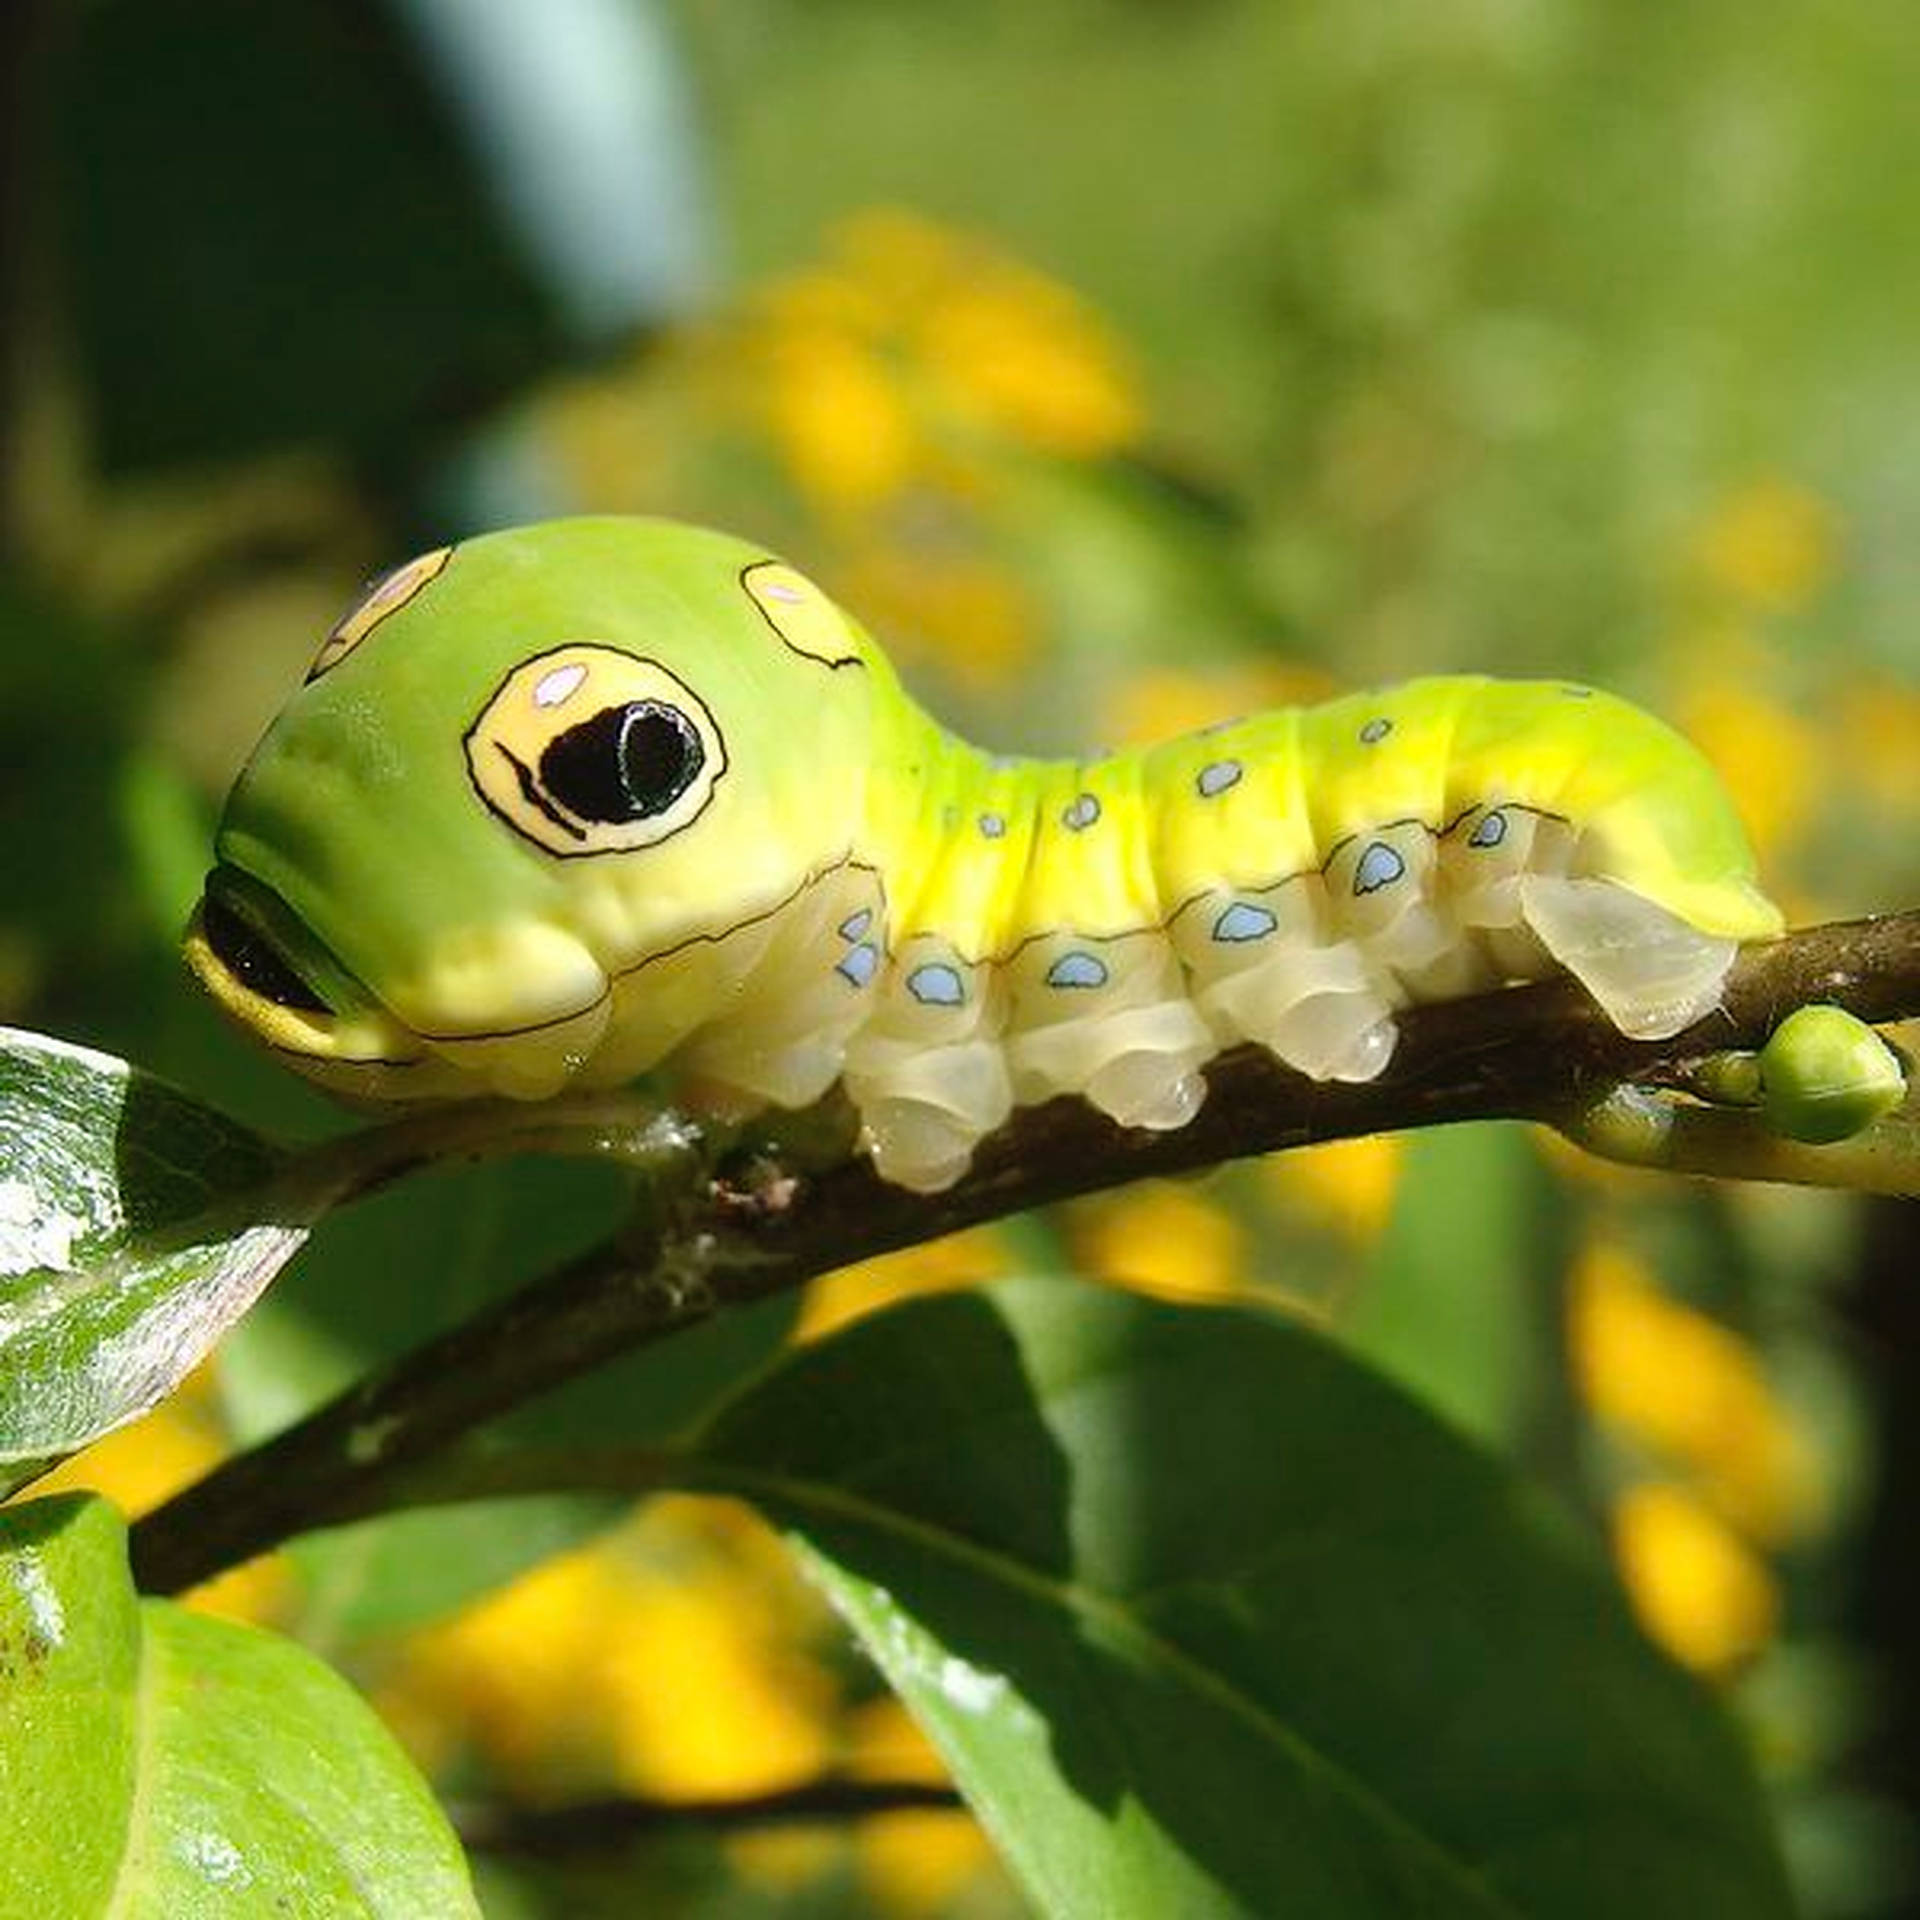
(290, 302)
(306, 225)
(135, 1226)
(1450, 1297)
(1210, 1620)
(157, 1763)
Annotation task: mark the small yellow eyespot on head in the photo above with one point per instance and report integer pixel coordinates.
(590, 750)
(387, 595)
(800, 613)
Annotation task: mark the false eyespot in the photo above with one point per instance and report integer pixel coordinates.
(386, 596)
(589, 750)
(800, 613)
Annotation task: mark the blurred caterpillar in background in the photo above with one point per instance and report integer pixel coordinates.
(565, 804)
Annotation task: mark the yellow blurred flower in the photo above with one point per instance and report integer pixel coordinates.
(826, 299)
(885, 1742)
(1347, 1185)
(911, 1862)
(1770, 545)
(1689, 1390)
(1878, 728)
(875, 369)
(1773, 758)
(1163, 701)
(1165, 1240)
(838, 418)
(672, 1660)
(667, 1660)
(704, 1701)
(1004, 344)
(919, 1861)
(939, 1266)
(1699, 1590)
(975, 618)
(513, 1674)
(144, 1464)
(1025, 357)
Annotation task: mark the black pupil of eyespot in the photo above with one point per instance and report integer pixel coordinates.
(626, 763)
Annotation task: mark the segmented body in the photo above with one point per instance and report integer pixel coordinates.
(603, 797)
(1104, 929)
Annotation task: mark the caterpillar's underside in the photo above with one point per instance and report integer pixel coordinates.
(941, 1047)
(686, 820)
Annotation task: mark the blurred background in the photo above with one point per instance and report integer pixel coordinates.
(1126, 365)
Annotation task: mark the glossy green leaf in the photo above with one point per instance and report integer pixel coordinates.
(157, 1763)
(274, 236)
(134, 1228)
(1210, 1620)
(1449, 1300)
(303, 224)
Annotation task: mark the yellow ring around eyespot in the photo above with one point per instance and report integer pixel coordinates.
(387, 595)
(543, 698)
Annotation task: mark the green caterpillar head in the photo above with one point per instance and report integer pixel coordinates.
(518, 769)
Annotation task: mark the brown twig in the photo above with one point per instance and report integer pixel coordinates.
(601, 1826)
(1540, 1053)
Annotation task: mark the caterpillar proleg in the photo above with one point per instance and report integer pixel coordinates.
(564, 805)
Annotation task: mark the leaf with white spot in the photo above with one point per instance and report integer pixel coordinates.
(135, 1226)
(159, 1765)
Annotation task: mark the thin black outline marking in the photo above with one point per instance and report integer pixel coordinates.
(845, 864)
(854, 659)
(1077, 986)
(323, 661)
(530, 792)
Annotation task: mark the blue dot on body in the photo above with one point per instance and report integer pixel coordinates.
(1489, 831)
(1243, 921)
(1375, 731)
(855, 925)
(1217, 777)
(937, 985)
(1380, 866)
(992, 825)
(1078, 970)
(1081, 814)
(860, 965)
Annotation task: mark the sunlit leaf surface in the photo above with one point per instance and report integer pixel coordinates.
(156, 1765)
(1209, 1620)
(133, 1231)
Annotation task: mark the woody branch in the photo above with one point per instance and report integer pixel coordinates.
(724, 1232)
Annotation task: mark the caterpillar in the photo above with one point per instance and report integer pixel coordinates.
(567, 804)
